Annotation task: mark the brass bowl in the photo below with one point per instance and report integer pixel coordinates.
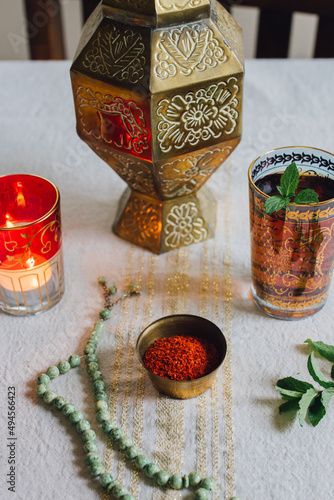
(182, 324)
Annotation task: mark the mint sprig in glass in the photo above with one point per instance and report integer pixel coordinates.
(287, 192)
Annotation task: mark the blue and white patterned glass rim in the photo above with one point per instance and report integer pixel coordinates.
(308, 160)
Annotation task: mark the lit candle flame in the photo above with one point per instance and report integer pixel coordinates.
(30, 263)
(8, 222)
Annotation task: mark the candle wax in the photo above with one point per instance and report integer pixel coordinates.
(33, 272)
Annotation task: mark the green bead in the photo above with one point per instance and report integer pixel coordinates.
(128, 496)
(90, 446)
(195, 478)
(74, 360)
(52, 372)
(107, 426)
(59, 402)
(131, 452)
(75, 417)
(43, 379)
(119, 491)
(185, 481)
(151, 470)
(201, 494)
(105, 479)
(68, 409)
(99, 326)
(93, 377)
(91, 457)
(92, 341)
(96, 334)
(99, 395)
(124, 443)
(111, 486)
(176, 482)
(112, 290)
(102, 416)
(82, 426)
(41, 389)
(96, 469)
(64, 366)
(101, 405)
(101, 280)
(90, 358)
(92, 367)
(208, 483)
(141, 461)
(49, 396)
(99, 386)
(105, 313)
(89, 349)
(88, 435)
(161, 478)
(116, 434)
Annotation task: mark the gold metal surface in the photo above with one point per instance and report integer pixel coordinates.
(157, 88)
(179, 324)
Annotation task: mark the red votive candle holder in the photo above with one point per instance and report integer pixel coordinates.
(31, 263)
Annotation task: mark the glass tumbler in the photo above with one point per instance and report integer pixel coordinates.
(292, 250)
(31, 262)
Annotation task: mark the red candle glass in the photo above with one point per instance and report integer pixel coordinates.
(31, 264)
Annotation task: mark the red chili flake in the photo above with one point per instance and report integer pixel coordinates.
(181, 357)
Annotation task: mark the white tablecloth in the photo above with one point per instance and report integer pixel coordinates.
(233, 432)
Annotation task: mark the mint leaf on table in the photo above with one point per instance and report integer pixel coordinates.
(287, 189)
(304, 404)
(292, 405)
(325, 350)
(316, 373)
(316, 411)
(318, 408)
(293, 385)
(302, 396)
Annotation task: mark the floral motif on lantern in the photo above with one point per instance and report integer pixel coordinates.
(198, 116)
(183, 176)
(179, 4)
(184, 226)
(117, 54)
(187, 49)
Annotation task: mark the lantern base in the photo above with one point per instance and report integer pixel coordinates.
(163, 225)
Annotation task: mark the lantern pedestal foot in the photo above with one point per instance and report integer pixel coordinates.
(165, 225)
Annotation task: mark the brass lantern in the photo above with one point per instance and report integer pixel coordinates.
(157, 88)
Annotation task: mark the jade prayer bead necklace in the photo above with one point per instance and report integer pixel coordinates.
(124, 443)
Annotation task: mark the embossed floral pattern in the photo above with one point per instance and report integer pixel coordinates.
(168, 5)
(138, 176)
(184, 226)
(198, 116)
(183, 176)
(187, 49)
(117, 54)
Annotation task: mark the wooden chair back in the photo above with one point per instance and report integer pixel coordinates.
(275, 25)
(46, 38)
(44, 25)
